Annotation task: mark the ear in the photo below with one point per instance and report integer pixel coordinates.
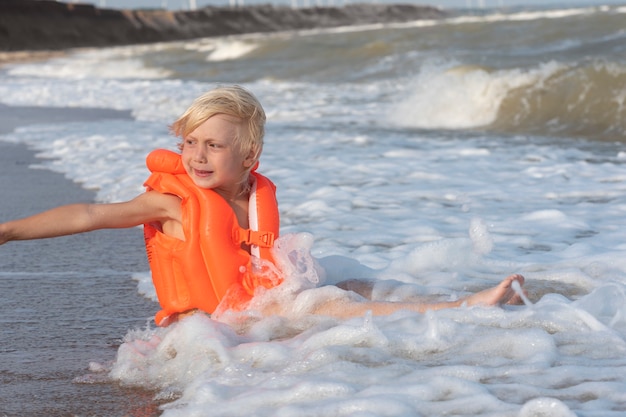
(251, 159)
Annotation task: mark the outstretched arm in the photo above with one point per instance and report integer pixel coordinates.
(79, 218)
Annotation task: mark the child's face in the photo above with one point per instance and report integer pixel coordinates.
(211, 159)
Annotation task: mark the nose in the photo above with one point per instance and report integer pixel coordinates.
(199, 154)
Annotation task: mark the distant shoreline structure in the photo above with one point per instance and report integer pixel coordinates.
(48, 25)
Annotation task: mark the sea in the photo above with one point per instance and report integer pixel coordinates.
(431, 158)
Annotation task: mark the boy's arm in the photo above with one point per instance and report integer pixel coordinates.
(78, 218)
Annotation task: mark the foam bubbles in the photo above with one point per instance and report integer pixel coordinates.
(172, 358)
(545, 407)
(481, 239)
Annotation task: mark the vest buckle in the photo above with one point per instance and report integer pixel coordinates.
(253, 237)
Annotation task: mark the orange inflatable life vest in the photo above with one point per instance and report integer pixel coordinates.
(210, 263)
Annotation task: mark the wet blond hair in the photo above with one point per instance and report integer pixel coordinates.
(233, 101)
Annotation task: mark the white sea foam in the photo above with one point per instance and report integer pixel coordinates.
(230, 49)
(110, 63)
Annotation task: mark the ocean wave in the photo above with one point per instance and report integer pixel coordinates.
(224, 49)
(585, 99)
(106, 63)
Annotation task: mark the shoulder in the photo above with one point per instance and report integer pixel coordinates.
(157, 198)
(161, 205)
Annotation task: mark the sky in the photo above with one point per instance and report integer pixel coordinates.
(187, 4)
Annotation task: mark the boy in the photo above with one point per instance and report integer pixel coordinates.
(210, 220)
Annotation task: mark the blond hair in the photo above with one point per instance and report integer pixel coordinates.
(233, 101)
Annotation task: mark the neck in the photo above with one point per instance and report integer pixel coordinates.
(239, 192)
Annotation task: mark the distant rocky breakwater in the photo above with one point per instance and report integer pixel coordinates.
(47, 25)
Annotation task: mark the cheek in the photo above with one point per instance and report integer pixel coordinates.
(235, 162)
(186, 162)
(236, 168)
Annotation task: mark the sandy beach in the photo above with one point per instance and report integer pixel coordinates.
(67, 301)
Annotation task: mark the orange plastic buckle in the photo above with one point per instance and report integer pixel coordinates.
(252, 237)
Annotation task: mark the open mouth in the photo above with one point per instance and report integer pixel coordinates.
(202, 173)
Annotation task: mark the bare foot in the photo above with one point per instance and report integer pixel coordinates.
(502, 293)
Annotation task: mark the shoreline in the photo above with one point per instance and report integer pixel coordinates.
(12, 117)
(46, 25)
(50, 336)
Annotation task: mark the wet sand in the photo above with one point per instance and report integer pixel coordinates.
(65, 302)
